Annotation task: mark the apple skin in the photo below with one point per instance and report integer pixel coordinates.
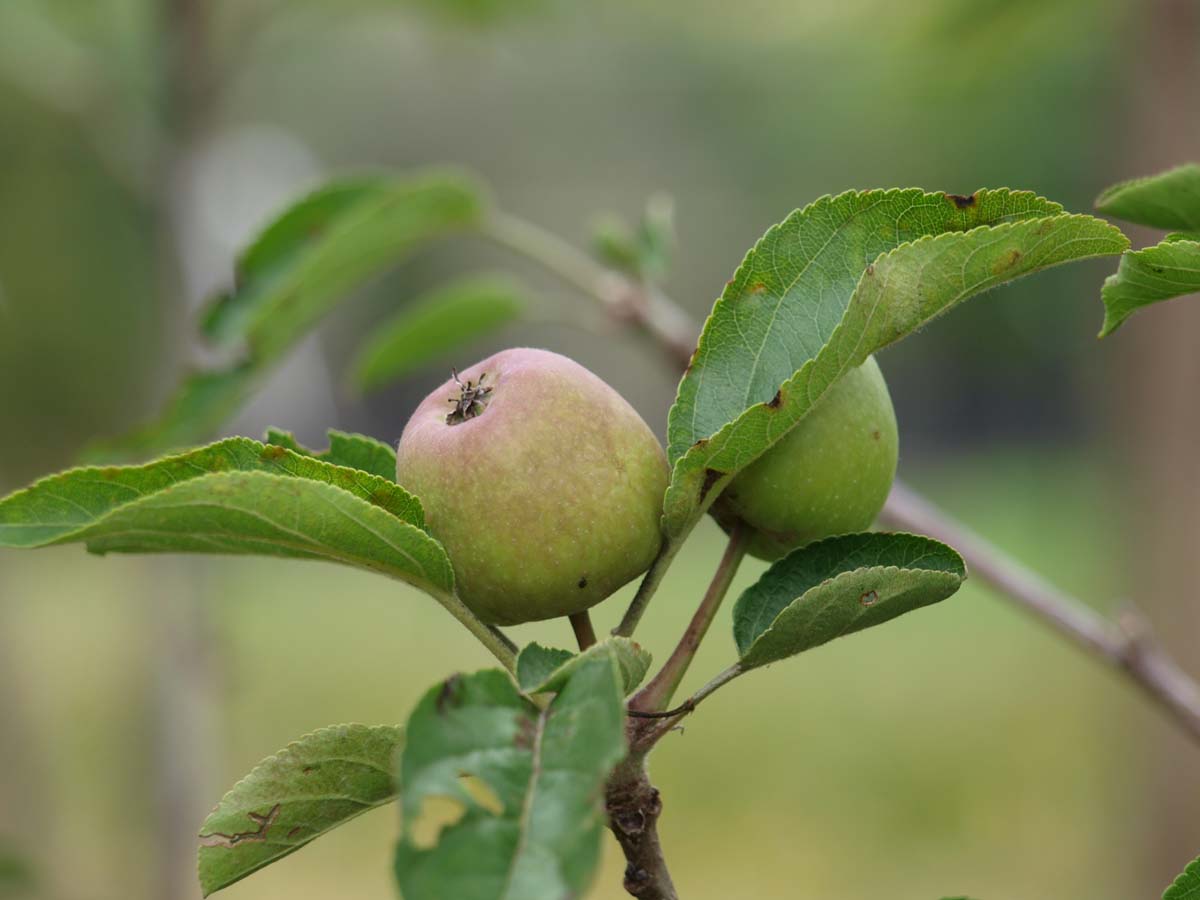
(829, 475)
(548, 498)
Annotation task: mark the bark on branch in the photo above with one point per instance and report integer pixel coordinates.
(633, 805)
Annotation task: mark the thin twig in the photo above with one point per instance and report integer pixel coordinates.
(1129, 648)
(658, 693)
(645, 734)
(581, 624)
(644, 306)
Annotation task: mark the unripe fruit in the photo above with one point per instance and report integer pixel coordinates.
(544, 485)
(829, 475)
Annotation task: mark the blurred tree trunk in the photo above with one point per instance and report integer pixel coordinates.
(22, 816)
(1157, 419)
(185, 696)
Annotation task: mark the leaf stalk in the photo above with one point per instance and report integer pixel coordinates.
(658, 693)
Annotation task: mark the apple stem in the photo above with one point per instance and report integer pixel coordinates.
(658, 693)
(585, 634)
(650, 582)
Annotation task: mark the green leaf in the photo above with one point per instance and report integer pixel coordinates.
(1187, 885)
(329, 243)
(436, 324)
(838, 586)
(1168, 200)
(298, 269)
(790, 293)
(59, 508)
(315, 784)
(271, 515)
(644, 253)
(543, 669)
(352, 451)
(535, 665)
(1162, 272)
(238, 497)
(808, 304)
(202, 403)
(532, 826)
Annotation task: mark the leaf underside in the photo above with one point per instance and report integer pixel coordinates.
(1163, 272)
(538, 831)
(317, 783)
(828, 287)
(1170, 269)
(839, 586)
(1169, 200)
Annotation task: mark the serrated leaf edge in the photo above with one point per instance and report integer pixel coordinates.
(827, 200)
(961, 576)
(938, 574)
(607, 647)
(250, 444)
(1191, 873)
(425, 583)
(1110, 193)
(706, 500)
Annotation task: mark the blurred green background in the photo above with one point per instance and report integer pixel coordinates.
(961, 750)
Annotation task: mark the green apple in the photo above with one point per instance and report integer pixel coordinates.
(829, 475)
(544, 485)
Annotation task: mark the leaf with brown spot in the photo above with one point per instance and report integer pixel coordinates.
(839, 586)
(846, 276)
(315, 784)
(532, 819)
(1163, 272)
